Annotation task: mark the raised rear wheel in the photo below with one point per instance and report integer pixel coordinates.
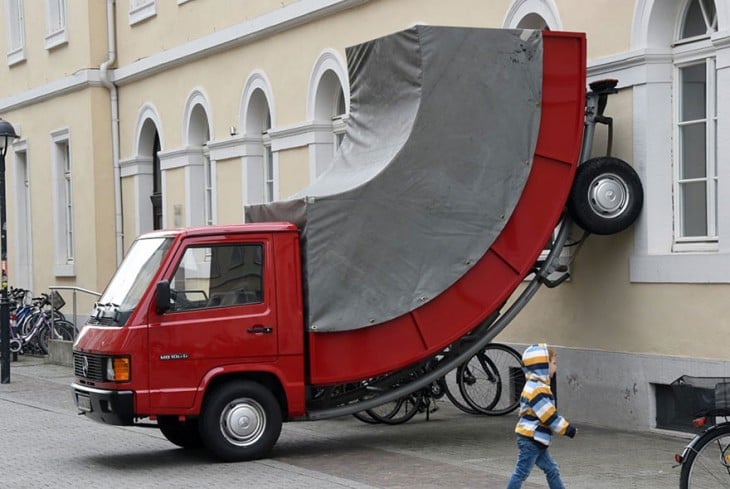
(606, 196)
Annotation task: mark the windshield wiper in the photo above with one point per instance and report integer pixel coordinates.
(106, 310)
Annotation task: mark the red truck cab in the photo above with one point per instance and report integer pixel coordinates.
(187, 310)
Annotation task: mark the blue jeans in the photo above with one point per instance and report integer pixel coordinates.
(533, 453)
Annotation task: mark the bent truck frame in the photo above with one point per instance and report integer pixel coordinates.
(335, 300)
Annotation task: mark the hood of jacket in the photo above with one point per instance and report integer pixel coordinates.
(536, 363)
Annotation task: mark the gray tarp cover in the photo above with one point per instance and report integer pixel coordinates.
(438, 146)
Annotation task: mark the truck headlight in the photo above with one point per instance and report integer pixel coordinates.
(118, 369)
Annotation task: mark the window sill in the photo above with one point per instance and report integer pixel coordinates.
(143, 12)
(55, 39)
(16, 57)
(681, 268)
(64, 270)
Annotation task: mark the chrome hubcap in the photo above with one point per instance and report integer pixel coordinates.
(243, 422)
(608, 195)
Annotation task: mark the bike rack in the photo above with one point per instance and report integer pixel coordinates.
(74, 301)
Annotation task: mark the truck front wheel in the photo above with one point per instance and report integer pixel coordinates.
(240, 420)
(184, 434)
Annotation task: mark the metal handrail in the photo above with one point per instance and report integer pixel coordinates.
(75, 290)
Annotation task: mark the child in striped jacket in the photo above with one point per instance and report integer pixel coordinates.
(539, 418)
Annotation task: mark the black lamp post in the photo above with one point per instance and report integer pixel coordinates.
(6, 133)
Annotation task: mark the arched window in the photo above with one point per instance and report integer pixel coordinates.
(199, 171)
(679, 116)
(144, 195)
(695, 129)
(533, 21)
(260, 159)
(533, 14)
(327, 109)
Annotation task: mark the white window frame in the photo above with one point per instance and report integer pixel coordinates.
(649, 68)
(15, 23)
(23, 267)
(62, 198)
(56, 23)
(710, 241)
(141, 10)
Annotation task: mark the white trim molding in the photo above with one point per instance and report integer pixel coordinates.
(546, 9)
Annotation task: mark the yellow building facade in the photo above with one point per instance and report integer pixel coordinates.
(135, 115)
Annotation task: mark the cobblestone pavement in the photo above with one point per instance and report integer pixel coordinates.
(44, 443)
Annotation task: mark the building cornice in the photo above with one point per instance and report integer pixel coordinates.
(282, 19)
(298, 13)
(630, 68)
(80, 80)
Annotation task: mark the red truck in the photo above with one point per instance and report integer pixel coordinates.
(459, 160)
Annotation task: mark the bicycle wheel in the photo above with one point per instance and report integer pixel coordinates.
(398, 411)
(365, 417)
(498, 380)
(708, 464)
(451, 388)
(479, 383)
(63, 330)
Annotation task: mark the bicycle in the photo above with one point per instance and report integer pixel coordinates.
(492, 380)
(705, 461)
(480, 382)
(42, 323)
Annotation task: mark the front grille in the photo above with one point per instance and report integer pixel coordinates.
(89, 366)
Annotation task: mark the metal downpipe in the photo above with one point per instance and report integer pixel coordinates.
(114, 102)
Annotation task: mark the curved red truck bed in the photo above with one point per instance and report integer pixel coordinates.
(344, 356)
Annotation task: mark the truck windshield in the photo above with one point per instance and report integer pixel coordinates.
(130, 281)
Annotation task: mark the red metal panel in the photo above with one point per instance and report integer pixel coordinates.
(363, 353)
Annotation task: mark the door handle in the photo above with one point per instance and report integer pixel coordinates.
(260, 329)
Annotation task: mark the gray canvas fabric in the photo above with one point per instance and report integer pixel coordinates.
(439, 143)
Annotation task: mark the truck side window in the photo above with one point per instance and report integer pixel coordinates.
(218, 276)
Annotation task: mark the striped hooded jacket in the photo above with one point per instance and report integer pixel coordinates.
(539, 417)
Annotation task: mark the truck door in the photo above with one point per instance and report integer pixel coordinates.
(221, 313)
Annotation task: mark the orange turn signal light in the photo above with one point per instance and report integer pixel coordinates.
(122, 369)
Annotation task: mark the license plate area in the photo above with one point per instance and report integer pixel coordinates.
(83, 402)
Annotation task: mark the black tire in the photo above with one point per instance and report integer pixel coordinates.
(61, 330)
(184, 434)
(498, 380)
(40, 340)
(708, 463)
(64, 330)
(451, 388)
(479, 383)
(606, 196)
(398, 411)
(240, 420)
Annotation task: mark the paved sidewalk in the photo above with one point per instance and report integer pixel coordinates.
(451, 450)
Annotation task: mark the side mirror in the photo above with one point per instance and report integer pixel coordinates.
(163, 296)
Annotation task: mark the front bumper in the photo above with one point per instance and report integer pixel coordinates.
(105, 406)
